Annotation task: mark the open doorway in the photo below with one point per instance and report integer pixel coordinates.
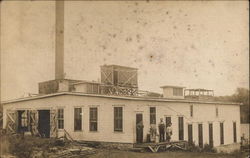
(23, 121)
(44, 123)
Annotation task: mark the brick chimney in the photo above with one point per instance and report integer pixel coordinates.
(59, 43)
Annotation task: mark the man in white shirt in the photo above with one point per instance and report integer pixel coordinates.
(169, 132)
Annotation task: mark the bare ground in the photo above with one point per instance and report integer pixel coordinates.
(176, 154)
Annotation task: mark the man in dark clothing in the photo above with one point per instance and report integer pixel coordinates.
(162, 130)
(139, 132)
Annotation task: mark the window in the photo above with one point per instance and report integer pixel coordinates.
(210, 133)
(190, 133)
(191, 110)
(234, 132)
(217, 111)
(181, 128)
(177, 91)
(221, 133)
(60, 119)
(168, 121)
(89, 88)
(200, 135)
(92, 88)
(78, 119)
(118, 119)
(95, 88)
(93, 119)
(152, 115)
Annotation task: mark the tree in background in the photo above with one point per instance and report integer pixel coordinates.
(241, 96)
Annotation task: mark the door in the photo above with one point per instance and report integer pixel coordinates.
(200, 135)
(139, 128)
(11, 121)
(211, 142)
(44, 123)
(181, 128)
(34, 122)
(23, 123)
(53, 123)
(190, 133)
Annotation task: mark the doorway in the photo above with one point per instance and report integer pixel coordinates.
(139, 128)
(23, 121)
(44, 123)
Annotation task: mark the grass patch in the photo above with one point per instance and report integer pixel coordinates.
(25, 146)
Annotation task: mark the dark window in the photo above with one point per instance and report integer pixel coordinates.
(191, 110)
(217, 111)
(78, 119)
(177, 91)
(200, 135)
(181, 128)
(221, 133)
(210, 133)
(234, 131)
(152, 115)
(168, 121)
(93, 119)
(118, 119)
(60, 118)
(190, 133)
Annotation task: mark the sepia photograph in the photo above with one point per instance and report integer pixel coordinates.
(124, 79)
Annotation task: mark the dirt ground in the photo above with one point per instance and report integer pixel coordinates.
(35, 147)
(131, 154)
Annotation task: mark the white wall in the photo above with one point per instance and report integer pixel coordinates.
(203, 113)
(81, 88)
(168, 93)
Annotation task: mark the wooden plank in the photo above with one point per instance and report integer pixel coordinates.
(130, 78)
(53, 123)
(10, 117)
(153, 150)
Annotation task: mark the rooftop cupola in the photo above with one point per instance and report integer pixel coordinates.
(173, 92)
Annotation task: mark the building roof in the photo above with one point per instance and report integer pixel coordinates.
(117, 97)
(82, 82)
(169, 86)
(119, 66)
(199, 89)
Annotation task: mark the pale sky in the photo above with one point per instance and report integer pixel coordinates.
(196, 44)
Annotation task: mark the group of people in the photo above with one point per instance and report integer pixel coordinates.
(164, 130)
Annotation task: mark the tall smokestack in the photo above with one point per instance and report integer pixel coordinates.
(59, 45)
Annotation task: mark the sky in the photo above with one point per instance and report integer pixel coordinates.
(196, 44)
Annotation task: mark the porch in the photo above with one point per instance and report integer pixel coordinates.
(155, 147)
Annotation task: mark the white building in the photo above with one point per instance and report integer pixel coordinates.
(108, 111)
(91, 116)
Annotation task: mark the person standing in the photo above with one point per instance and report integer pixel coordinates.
(139, 132)
(169, 132)
(153, 133)
(162, 130)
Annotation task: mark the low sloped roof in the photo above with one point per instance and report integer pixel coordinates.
(118, 97)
